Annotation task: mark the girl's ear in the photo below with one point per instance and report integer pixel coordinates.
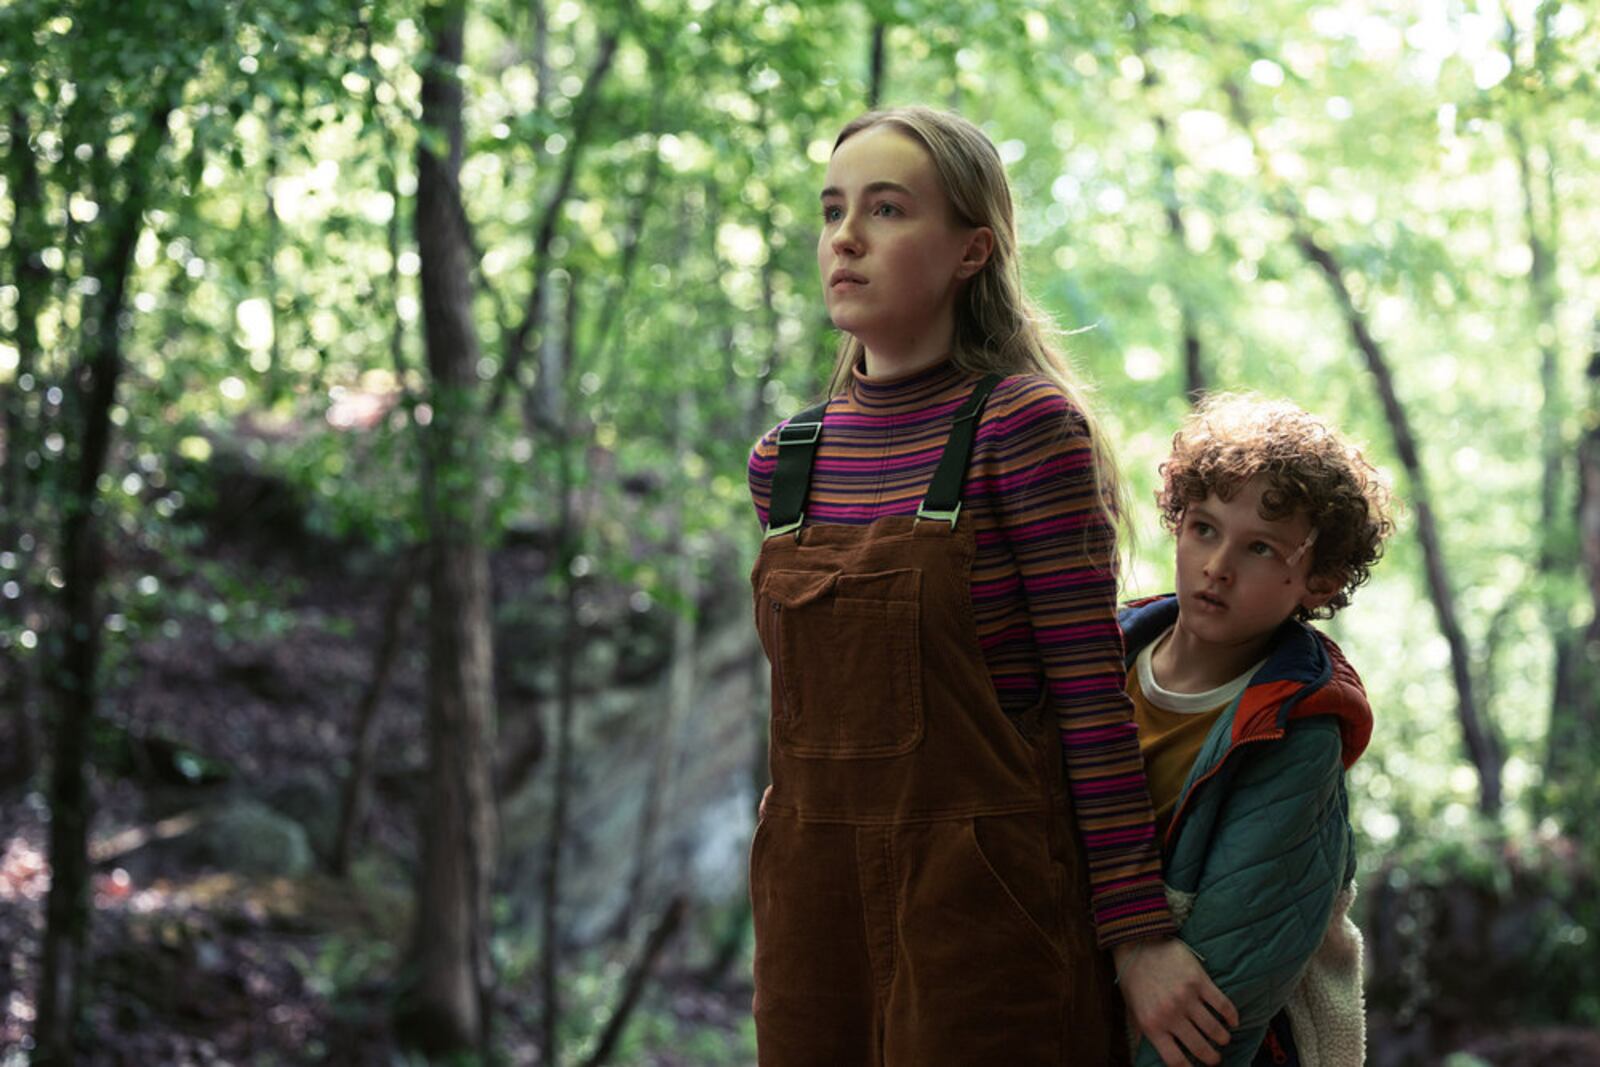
(979, 247)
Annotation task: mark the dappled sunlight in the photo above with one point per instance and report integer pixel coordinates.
(351, 408)
(241, 309)
(24, 871)
(240, 957)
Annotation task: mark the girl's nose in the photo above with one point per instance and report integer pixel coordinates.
(845, 239)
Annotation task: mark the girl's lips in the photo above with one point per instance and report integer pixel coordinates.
(1209, 602)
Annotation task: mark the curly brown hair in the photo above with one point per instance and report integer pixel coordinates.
(1232, 437)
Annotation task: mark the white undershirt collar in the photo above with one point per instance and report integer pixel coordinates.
(1187, 703)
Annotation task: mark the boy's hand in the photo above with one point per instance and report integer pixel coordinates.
(1172, 1001)
(761, 809)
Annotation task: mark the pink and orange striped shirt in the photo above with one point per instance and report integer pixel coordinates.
(1045, 608)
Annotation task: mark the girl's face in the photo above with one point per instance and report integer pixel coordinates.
(891, 255)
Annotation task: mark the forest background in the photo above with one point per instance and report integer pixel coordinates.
(377, 379)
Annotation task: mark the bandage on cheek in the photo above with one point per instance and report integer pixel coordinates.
(1305, 546)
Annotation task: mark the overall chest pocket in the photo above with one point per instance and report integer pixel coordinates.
(848, 655)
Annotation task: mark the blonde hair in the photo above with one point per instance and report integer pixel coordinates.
(997, 328)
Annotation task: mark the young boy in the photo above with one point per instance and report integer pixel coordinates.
(1248, 719)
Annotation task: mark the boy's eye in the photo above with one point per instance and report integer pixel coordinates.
(1262, 549)
(1201, 529)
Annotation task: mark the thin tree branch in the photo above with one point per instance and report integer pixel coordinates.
(1482, 746)
(633, 984)
(517, 344)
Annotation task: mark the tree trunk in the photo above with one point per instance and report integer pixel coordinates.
(19, 737)
(1543, 301)
(354, 794)
(1194, 378)
(728, 946)
(1589, 540)
(1483, 747)
(522, 750)
(611, 324)
(876, 64)
(389, 169)
(1191, 350)
(536, 310)
(568, 542)
(634, 982)
(353, 799)
(275, 376)
(1575, 705)
(1541, 283)
(1575, 710)
(446, 1009)
(32, 280)
(74, 650)
(679, 696)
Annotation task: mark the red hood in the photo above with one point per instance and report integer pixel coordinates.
(1342, 696)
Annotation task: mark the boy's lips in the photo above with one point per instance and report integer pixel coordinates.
(1210, 601)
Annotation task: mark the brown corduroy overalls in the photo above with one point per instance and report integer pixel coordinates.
(919, 890)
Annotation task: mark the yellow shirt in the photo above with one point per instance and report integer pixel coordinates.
(1172, 727)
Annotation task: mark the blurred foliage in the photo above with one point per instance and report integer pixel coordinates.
(272, 322)
(658, 1033)
(1472, 932)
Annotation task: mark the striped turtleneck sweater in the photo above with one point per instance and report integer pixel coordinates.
(1045, 608)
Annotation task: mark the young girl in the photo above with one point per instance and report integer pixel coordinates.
(937, 595)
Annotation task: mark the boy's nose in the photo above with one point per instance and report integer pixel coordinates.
(1217, 569)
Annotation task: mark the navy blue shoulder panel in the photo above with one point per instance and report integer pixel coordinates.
(1297, 656)
(1144, 622)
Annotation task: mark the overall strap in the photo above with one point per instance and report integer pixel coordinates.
(797, 448)
(943, 500)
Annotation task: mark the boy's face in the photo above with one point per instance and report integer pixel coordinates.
(1236, 583)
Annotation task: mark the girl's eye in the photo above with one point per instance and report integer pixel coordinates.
(1262, 549)
(832, 213)
(887, 209)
